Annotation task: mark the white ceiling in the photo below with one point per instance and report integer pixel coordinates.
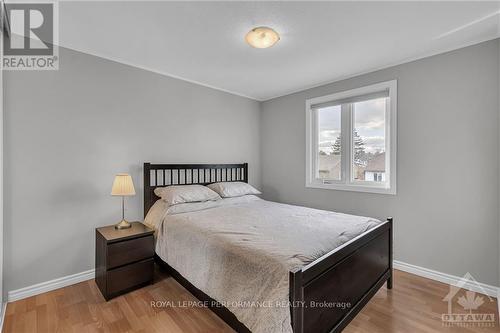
(320, 42)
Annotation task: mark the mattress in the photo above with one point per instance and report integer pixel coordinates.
(239, 251)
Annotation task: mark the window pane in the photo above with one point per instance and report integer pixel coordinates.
(329, 147)
(369, 140)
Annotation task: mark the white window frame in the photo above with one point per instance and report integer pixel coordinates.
(347, 182)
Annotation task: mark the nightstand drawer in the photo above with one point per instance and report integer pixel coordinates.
(129, 276)
(124, 252)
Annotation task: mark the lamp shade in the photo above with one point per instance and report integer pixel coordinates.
(123, 185)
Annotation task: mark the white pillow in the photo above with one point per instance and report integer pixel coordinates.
(177, 194)
(233, 189)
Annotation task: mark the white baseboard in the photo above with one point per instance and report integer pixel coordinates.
(479, 287)
(64, 281)
(4, 308)
(43, 287)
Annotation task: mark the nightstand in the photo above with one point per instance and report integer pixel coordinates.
(123, 259)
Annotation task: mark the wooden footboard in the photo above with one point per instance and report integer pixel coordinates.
(328, 293)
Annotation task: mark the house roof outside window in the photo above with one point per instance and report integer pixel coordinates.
(376, 164)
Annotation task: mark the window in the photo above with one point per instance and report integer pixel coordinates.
(351, 140)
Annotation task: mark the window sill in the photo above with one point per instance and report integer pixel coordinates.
(353, 188)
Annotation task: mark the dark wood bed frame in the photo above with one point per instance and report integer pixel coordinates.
(326, 294)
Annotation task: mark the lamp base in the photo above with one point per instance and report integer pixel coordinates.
(122, 225)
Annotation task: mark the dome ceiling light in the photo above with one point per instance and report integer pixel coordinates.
(262, 37)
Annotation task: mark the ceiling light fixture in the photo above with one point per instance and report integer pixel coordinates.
(262, 37)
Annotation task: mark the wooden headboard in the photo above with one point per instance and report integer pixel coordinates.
(160, 175)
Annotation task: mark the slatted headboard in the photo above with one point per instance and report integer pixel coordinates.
(160, 175)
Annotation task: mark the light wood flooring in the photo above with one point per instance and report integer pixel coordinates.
(414, 305)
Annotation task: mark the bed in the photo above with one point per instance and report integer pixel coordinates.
(255, 250)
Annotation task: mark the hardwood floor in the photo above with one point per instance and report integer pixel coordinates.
(414, 305)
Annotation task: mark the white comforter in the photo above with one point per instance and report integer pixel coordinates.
(239, 251)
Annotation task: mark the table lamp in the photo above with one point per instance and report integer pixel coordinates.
(123, 186)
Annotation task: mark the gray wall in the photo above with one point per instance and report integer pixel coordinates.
(1, 180)
(446, 209)
(68, 132)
